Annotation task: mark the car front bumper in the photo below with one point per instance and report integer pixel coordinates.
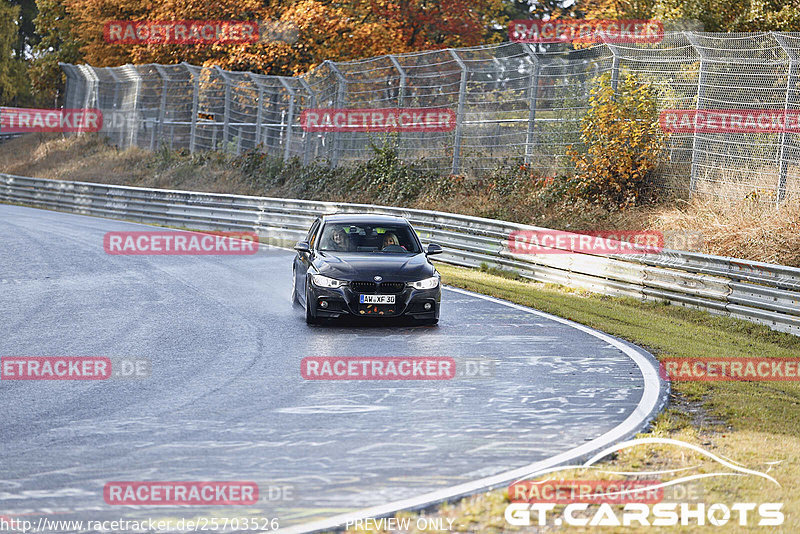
(344, 301)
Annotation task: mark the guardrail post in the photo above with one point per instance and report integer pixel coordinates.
(533, 93)
(162, 109)
(701, 78)
(462, 95)
(307, 136)
(791, 81)
(227, 113)
(401, 89)
(289, 118)
(341, 95)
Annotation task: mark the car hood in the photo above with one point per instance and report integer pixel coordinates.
(392, 267)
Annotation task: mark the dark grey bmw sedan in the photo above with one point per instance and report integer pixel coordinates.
(365, 266)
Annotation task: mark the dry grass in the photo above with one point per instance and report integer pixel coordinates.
(743, 229)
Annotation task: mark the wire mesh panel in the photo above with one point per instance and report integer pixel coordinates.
(672, 67)
(511, 102)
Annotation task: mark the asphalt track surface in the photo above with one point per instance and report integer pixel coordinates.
(225, 399)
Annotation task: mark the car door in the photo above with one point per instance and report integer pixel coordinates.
(303, 261)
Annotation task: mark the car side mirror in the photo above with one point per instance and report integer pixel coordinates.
(302, 246)
(433, 248)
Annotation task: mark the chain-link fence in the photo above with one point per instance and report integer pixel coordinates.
(513, 101)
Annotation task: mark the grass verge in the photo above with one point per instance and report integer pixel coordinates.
(752, 423)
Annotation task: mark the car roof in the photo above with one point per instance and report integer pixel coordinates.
(364, 218)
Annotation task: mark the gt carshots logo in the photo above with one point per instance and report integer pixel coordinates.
(637, 503)
(641, 514)
(378, 120)
(181, 493)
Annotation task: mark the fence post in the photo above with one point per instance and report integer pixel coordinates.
(69, 88)
(116, 104)
(701, 78)
(91, 83)
(162, 109)
(133, 123)
(533, 93)
(401, 89)
(227, 113)
(341, 94)
(462, 95)
(614, 68)
(307, 135)
(791, 81)
(195, 104)
(289, 118)
(259, 107)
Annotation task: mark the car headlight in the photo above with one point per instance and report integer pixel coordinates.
(428, 283)
(324, 281)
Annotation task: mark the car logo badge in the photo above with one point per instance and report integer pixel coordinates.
(378, 278)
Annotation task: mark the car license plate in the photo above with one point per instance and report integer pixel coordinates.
(377, 299)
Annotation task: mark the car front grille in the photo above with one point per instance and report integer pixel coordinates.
(386, 288)
(363, 287)
(391, 287)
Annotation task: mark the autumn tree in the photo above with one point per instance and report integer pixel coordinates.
(11, 64)
(57, 43)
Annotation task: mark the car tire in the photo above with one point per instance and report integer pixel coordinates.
(295, 300)
(429, 322)
(310, 319)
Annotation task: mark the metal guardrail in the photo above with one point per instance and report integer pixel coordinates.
(758, 292)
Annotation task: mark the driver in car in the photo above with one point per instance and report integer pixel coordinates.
(391, 239)
(339, 240)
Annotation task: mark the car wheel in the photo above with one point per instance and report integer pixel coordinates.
(310, 319)
(295, 300)
(429, 322)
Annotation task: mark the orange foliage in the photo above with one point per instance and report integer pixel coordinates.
(336, 31)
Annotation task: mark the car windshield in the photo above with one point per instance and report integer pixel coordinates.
(368, 238)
